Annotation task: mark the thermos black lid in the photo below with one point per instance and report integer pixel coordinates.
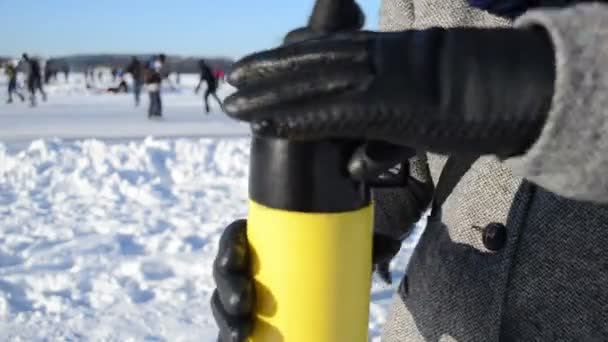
(304, 176)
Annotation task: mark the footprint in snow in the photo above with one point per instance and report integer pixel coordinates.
(156, 271)
(128, 246)
(195, 242)
(135, 292)
(15, 296)
(54, 264)
(7, 260)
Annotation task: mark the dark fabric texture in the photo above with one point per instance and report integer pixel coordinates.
(504, 8)
(559, 272)
(397, 209)
(514, 8)
(546, 282)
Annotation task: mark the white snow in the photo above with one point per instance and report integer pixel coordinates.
(112, 238)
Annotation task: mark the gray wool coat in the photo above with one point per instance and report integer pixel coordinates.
(548, 281)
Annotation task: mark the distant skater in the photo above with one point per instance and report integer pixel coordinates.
(122, 86)
(66, 72)
(207, 76)
(153, 85)
(135, 68)
(34, 79)
(11, 73)
(164, 67)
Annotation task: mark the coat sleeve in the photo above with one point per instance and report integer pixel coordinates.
(396, 15)
(570, 158)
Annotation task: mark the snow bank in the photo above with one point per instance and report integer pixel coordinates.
(115, 241)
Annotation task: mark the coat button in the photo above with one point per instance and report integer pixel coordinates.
(494, 236)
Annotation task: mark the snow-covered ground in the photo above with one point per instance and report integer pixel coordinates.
(73, 111)
(112, 238)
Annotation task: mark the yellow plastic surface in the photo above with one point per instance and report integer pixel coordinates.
(313, 274)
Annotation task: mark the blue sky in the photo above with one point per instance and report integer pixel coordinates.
(187, 27)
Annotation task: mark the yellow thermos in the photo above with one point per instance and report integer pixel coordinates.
(310, 232)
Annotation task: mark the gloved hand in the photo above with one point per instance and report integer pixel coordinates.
(479, 91)
(233, 300)
(397, 209)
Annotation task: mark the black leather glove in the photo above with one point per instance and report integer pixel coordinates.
(482, 91)
(396, 211)
(398, 206)
(505, 8)
(233, 301)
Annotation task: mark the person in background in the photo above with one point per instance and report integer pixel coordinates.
(135, 68)
(66, 72)
(122, 86)
(164, 68)
(11, 74)
(114, 73)
(34, 79)
(207, 76)
(91, 73)
(165, 71)
(89, 77)
(153, 84)
(48, 71)
(219, 75)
